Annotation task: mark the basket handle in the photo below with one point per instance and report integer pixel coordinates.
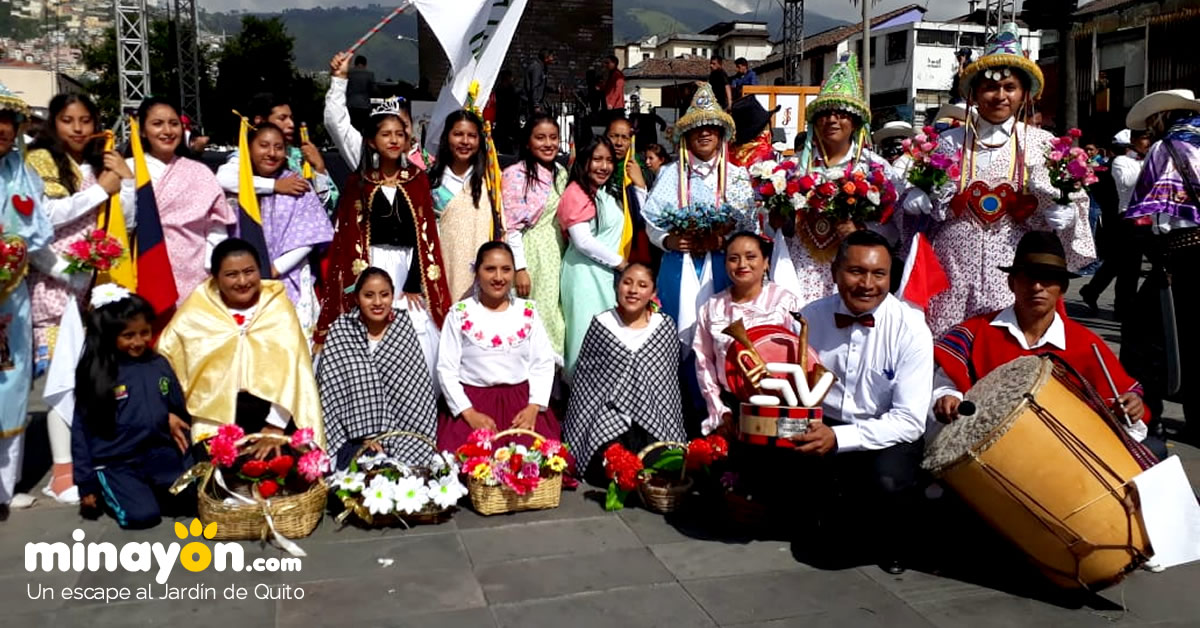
(379, 437)
(516, 431)
(257, 436)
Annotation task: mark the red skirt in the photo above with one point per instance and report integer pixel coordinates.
(502, 403)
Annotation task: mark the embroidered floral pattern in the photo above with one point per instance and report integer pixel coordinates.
(496, 338)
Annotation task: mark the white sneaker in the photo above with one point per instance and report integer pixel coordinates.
(21, 501)
(69, 497)
(1153, 566)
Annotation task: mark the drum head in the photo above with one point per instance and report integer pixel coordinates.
(775, 343)
(998, 397)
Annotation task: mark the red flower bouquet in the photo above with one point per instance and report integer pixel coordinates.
(97, 252)
(853, 195)
(292, 472)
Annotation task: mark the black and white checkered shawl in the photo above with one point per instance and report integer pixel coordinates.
(615, 387)
(366, 393)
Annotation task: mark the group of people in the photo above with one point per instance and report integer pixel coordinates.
(416, 296)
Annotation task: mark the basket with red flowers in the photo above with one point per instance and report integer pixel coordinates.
(659, 472)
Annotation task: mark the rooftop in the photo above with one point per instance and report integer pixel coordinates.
(687, 67)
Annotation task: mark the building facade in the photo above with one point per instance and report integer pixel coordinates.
(731, 40)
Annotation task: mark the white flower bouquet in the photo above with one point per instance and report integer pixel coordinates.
(380, 490)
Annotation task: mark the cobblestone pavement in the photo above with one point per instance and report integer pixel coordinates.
(576, 566)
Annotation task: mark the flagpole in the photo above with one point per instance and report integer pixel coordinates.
(866, 61)
(378, 27)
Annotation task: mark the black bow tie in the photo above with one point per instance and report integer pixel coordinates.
(845, 320)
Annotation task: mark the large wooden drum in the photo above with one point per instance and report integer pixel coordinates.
(774, 425)
(1047, 472)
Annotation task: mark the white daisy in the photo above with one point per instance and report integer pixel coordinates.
(378, 497)
(371, 460)
(348, 481)
(410, 494)
(446, 491)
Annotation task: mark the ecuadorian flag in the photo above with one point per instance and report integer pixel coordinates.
(112, 221)
(250, 226)
(155, 279)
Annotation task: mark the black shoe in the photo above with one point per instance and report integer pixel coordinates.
(893, 567)
(1091, 299)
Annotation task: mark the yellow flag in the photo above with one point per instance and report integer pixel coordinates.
(306, 168)
(627, 230)
(112, 221)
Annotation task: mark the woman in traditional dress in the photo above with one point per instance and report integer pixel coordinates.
(268, 108)
(191, 204)
(295, 227)
(839, 121)
(348, 139)
(239, 352)
(752, 299)
(495, 362)
(625, 387)
(532, 190)
(372, 376)
(386, 220)
(25, 231)
(690, 273)
(594, 222)
(79, 179)
(466, 218)
(1004, 190)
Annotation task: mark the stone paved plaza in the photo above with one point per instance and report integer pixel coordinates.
(578, 566)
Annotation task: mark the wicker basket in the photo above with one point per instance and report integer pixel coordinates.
(664, 499)
(430, 514)
(494, 500)
(293, 516)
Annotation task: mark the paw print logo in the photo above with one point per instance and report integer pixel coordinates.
(195, 556)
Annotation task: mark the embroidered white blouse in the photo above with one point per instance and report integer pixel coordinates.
(481, 347)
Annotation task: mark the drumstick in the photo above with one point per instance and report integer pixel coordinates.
(371, 33)
(1111, 384)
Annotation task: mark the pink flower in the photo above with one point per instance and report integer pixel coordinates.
(529, 470)
(302, 437)
(906, 144)
(1078, 152)
(467, 325)
(930, 131)
(80, 249)
(920, 139)
(528, 312)
(313, 465)
(496, 341)
(1075, 133)
(927, 147)
(1077, 170)
(482, 437)
(222, 451)
(954, 171)
(97, 235)
(521, 333)
(479, 335)
(231, 431)
(1056, 156)
(551, 447)
(109, 248)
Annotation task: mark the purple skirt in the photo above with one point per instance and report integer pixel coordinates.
(502, 403)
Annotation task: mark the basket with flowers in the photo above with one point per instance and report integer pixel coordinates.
(380, 491)
(97, 252)
(929, 169)
(659, 472)
(512, 477)
(704, 224)
(250, 495)
(14, 260)
(1069, 167)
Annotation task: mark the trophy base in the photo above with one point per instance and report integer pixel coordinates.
(774, 425)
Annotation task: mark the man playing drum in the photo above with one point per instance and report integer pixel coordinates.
(1033, 325)
(881, 352)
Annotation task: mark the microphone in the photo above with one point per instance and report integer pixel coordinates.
(966, 409)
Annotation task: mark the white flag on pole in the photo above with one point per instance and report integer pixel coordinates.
(453, 22)
(495, 25)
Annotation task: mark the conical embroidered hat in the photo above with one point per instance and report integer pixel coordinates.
(1004, 51)
(11, 102)
(704, 111)
(842, 91)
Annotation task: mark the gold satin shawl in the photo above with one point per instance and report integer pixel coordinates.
(214, 360)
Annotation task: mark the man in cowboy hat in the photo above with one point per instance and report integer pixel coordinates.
(1166, 198)
(888, 143)
(1037, 277)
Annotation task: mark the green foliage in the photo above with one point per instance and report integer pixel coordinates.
(614, 499)
(671, 460)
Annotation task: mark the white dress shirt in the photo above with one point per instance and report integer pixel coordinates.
(884, 373)
(1055, 336)
(1125, 171)
(61, 211)
(464, 358)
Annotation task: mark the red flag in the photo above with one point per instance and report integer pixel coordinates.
(924, 277)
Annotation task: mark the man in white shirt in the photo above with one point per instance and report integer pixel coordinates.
(1124, 240)
(882, 354)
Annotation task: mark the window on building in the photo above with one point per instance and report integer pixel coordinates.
(971, 40)
(816, 69)
(859, 51)
(646, 55)
(897, 47)
(695, 52)
(936, 38)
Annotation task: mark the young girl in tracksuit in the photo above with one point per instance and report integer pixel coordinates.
(129, 436)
